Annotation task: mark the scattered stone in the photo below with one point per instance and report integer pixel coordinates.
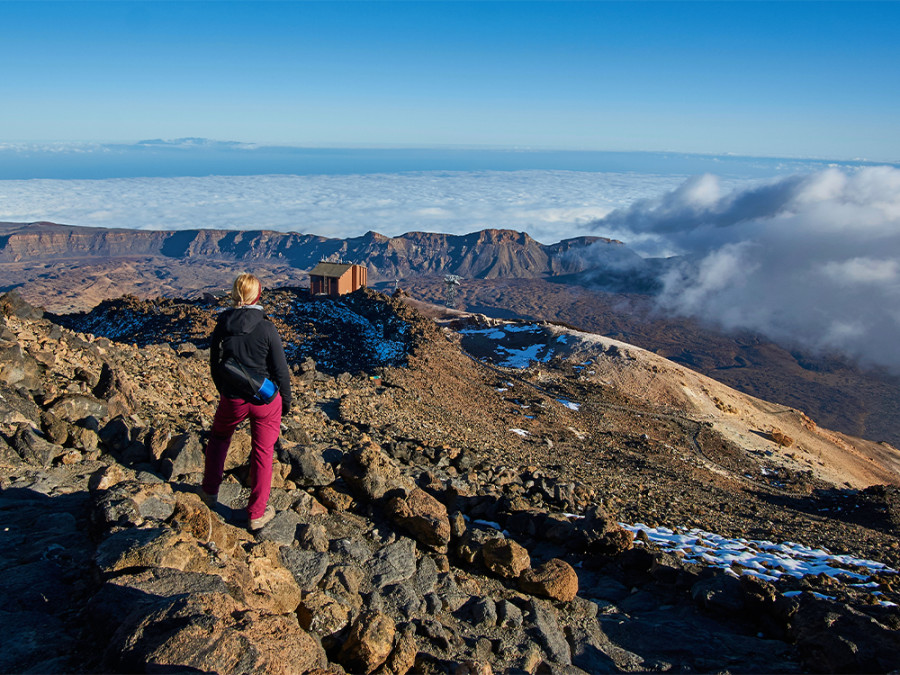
(35, 450)
(322, 615)
(394, 563)
(308, 469)
(505, 557)
(106, 476)
(184, 455)
(509, 615)
(308, 567)
(334, 500)
(423, 516)
(372, 473)
(369, 643)
(402, 600)
(549, 635)
(313, 537)
(555, 579)
(403, 657)
(282, 528)
(483, 612)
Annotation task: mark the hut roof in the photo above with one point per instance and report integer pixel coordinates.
(330, 269)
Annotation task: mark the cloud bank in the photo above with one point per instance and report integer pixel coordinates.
(810, 260)
(549, 205)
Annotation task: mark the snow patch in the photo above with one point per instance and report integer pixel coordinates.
(764, 559)
(569, 404)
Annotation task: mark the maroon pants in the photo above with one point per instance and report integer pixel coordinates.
(265, 425)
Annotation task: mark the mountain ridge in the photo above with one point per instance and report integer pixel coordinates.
(488, 253)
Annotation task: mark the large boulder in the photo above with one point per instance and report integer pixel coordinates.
(423, 516)
(184, 455)
(191, 515)
(555, 579)
(369, 643)
(132, 503)
(213, 633)
(75, 407)
(505, 557)
(835, 638)
(371, 473)
(308, 468)
(150, 547)
(141, 591)
(272, 587)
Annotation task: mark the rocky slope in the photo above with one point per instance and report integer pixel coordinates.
(836, 392)
(435, 513)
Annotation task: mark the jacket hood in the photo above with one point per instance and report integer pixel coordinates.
(241, 320)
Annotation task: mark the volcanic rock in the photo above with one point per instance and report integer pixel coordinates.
(505, 557)
(423, 516)
(213, 633)
(555, 579)
(369, 643)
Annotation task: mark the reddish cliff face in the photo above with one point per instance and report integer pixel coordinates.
(487, 254)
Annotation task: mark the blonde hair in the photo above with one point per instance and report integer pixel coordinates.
(246, 290)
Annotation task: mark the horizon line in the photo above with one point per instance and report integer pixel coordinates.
(200, 143)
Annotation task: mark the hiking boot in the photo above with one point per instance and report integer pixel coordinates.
(209, 500)
(259, 523)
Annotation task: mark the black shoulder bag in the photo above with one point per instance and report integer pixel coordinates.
(252, 386)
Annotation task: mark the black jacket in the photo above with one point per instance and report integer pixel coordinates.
(246, 334)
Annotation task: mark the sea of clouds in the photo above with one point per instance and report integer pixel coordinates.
(809, 259)
(549, 205)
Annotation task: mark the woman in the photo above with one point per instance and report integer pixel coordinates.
(243, 333)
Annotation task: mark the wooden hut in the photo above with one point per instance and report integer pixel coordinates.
(335, 279)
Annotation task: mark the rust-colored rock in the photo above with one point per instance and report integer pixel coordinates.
(322, 615)
(782, 438)
(214, 633)
(192, 516)
(403, 658)
(273, 586)
(505, 557)
(334, 500)
(370, 472)
(369, 643)
(423, 516)
(555, 579)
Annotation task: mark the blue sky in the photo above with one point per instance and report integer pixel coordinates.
(803, 79)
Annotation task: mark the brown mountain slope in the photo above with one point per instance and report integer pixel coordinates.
(836, 393)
